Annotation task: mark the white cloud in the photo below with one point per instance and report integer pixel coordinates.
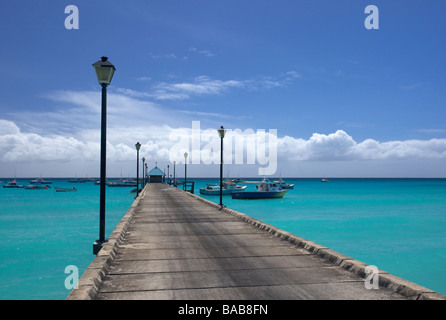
(8, 128)
(204, 85)
(163, 56)
(70, 133)
(17, 146)
(411, 86)
(206, 53)
(340, 146)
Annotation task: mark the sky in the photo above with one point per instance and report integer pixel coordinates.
(306, 87)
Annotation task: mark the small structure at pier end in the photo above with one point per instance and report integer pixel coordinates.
(156, 175)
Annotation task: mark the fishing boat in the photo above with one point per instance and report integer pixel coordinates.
(65, 189)
(79, 180)
(35, 187)
(40, 181)
(229, 186)
(264, 189)
(12, 184)
(122, 183)
(284, 185)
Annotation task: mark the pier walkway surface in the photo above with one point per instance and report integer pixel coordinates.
(175, 245)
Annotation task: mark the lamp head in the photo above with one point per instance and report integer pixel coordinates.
(221, 132)
(104, 71)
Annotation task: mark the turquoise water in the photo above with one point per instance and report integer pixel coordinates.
(43, 232)
(399, 225)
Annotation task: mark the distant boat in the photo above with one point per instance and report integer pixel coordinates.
(35, 187)
(122, 183)
(65, 189)
(77, 180)
(229, 186)
(282, 184)
(12, 184)
(40, 181)
(325, 180)
(264, 189)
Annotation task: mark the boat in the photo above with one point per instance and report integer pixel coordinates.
(65, 189)
(264, 190)
(122, 183)
(12, 184)
(229, 186)
(79, 180)
(324, 180)
(40, 181)
(282, 184)
(35, 187)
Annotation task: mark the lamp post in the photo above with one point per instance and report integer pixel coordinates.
(145, 177)
(174, 182)
(142, 184)
(168, 173)
(185, 171)
(104, 72)
(138, 146)
(221, 133)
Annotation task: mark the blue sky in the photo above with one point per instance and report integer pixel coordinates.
(345, 101)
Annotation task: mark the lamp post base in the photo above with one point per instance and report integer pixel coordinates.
(97, 246)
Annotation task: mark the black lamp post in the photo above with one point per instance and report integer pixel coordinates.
(168, 173)
(143, 161)
(221, 133)
(185, 171)
(145, 177)
(174, 182)
(104, 72)
(138, 146)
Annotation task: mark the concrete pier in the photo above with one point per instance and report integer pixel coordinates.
(175, 245)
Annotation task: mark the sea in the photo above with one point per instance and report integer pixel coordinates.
(397, 225)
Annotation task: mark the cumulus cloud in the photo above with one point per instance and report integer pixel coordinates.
(16, 145)
(69, 133)
(341, 146)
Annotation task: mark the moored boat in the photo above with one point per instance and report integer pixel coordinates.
(65, 189)
(79, 180)
(12, 184)
(35, 187)
(264, 190)
(229, 187)
(122, 183)
(40, 181)
(284, 185)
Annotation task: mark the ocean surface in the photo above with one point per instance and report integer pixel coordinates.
(398, 225)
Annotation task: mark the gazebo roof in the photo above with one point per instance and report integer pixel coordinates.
(156, 172)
